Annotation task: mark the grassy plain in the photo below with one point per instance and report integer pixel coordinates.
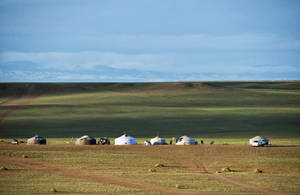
(183, 166)
(214, 110)
(226, 112)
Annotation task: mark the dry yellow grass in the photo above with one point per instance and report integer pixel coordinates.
(193, 167)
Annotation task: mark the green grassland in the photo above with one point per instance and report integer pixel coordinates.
(209, 109)
(227, 112)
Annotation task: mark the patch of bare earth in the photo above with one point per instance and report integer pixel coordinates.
(16, 103)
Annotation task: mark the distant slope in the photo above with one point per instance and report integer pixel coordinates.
(205, 109)
(16, 89)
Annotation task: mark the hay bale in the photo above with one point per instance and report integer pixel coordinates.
(24, 156)
(159, 165)
(226, 169)
(53, 190)
(151, 170)
(258, 171)
(3, 168)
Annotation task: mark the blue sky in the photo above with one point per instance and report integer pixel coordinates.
(141, 41)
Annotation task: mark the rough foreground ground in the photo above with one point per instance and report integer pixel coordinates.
(196, 169)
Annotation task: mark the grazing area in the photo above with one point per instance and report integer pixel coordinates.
(200, 169)
(223, 115)
(212, 109)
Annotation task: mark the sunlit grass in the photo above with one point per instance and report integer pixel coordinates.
(279, 164)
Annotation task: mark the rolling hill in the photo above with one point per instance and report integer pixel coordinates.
(202, 109)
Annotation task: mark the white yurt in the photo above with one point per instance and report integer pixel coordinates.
(37, 140)
(158, 141)
(185, 140)
(125, 140)
(85, 140)
(259, 139)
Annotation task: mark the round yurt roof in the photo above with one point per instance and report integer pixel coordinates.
(125, 140)
(185, 140)
(158, 140)
(85, 140)
(36, 140)
(258, 138)
(85, 137)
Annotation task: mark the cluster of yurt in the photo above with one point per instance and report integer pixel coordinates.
(87, 140)
(129, 140)
(122, 140)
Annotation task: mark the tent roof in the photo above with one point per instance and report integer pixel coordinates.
(158, 139)
(258, 138)
(37, 137)
(125, 140)
(125, 136)
(186, 138)
(85, 137)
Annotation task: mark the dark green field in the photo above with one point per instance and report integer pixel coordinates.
(207, 109)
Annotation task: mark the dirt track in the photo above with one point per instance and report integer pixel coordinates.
(82, 174)
(17, 103)
(199, 166)
(236, 182)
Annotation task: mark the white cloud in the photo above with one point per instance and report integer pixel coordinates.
(88, 60)
(168, 63)
(241, 42)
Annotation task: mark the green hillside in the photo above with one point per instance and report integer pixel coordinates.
(208, 109)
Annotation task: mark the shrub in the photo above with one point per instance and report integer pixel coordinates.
(53, 190)
(159, 165)
(179, 186)
(226, 169)
(3, 169)
(258, 171)
(151, 170)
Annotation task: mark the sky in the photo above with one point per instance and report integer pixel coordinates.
(149, 40)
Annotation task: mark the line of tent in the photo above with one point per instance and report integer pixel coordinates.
(122, 140)
(129, 140)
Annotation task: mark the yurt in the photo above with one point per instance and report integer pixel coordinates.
(125, 140)
(158, 141)
(85, 140)
(185, 140)
(104, 141)
(258, 141)
(37, 140)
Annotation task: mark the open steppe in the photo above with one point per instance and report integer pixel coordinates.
(227, 112)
